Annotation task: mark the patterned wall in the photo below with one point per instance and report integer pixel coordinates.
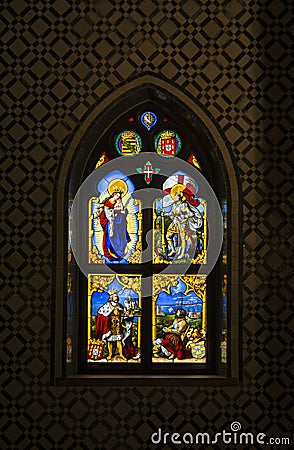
(60, 58)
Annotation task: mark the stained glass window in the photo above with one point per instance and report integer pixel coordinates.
(69, 305)
(224, 303)
(157, 307)
(148, 119)
(69, 249)
(224, 337)
(194, 161)
(102, 160)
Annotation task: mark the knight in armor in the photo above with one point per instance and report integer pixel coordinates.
(186, 219)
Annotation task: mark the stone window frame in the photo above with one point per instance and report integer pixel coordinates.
(73, 157)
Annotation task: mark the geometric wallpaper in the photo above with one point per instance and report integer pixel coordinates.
(59, 59)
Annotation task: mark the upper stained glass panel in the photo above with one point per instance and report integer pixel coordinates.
(115, 222)
(180, 228)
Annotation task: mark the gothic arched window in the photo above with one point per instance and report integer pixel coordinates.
(149, 246)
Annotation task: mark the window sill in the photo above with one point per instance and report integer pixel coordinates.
(146, 380)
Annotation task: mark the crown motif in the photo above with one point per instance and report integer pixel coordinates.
(167, 134)
(117, 189)
(117, 186)
(113, 291)
(129, 134)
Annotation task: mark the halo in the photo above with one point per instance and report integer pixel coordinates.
(117, 186)
(176, 189)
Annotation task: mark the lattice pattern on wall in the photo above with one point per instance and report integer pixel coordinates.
(62, 57)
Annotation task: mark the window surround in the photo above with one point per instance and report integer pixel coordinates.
(74, 151)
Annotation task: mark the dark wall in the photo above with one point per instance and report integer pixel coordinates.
(60, 59)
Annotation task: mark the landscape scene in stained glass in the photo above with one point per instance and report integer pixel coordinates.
(179, 319)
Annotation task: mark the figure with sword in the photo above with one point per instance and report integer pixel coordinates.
(186, 220)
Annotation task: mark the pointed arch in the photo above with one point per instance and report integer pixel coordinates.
(77, 162)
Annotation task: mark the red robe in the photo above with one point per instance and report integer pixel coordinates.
(190, 197)
(103, 330)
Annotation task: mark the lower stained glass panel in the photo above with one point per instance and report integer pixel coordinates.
(179, 319)
(114, 318)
